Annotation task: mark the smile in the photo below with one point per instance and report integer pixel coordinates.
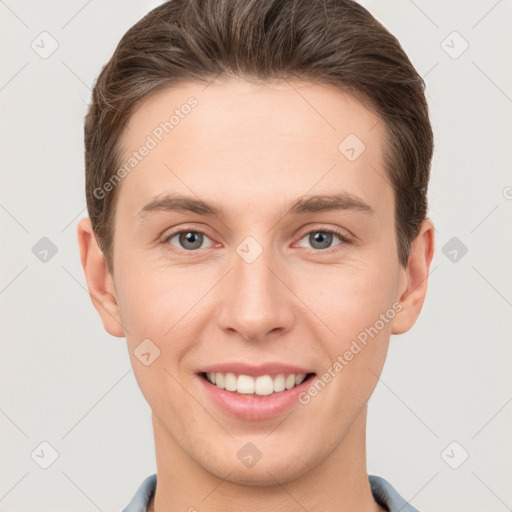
(261, 385)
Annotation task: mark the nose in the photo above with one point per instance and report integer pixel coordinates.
(255, 299)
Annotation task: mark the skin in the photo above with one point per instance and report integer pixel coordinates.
(253, 149)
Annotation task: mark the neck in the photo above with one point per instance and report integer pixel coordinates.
(339, 483)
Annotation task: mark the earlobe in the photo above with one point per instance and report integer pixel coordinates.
(99, 281)
(416, 273)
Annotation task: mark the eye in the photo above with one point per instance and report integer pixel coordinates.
(321, 239)
(189, 240)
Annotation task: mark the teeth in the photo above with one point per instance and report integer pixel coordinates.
(279, 383)
(230, 382)
(299, 378)
(245, 385)
(262, 385)
(290, 381)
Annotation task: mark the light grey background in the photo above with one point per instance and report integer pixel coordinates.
(65, 381)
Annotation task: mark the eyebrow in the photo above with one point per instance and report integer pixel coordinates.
(303, 205)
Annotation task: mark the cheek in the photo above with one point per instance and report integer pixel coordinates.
(154, 307)
(357, 307)
(349, 299)
(162, 304)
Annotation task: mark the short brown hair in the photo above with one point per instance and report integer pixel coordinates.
(334, 42)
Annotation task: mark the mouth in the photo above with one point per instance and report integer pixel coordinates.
(256, 385)
(254, 393)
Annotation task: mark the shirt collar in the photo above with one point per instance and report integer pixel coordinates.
(383, 492)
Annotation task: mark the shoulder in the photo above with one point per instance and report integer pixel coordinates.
(387, 496)
(141, 499)
(383, 492)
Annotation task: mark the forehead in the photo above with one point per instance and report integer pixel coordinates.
(238, 141)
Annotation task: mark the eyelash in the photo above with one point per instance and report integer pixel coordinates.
(344, 239)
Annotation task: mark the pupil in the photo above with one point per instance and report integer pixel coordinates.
(193, 238)
(322, 238)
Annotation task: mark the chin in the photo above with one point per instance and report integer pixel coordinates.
(262, 473)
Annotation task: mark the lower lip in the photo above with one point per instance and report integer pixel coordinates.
(255, 407)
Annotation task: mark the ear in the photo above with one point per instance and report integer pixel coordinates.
(416, 278)
(99, 280)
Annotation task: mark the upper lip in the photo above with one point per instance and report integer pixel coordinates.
(271, 368)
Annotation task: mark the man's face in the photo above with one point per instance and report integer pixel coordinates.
(256, 285)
